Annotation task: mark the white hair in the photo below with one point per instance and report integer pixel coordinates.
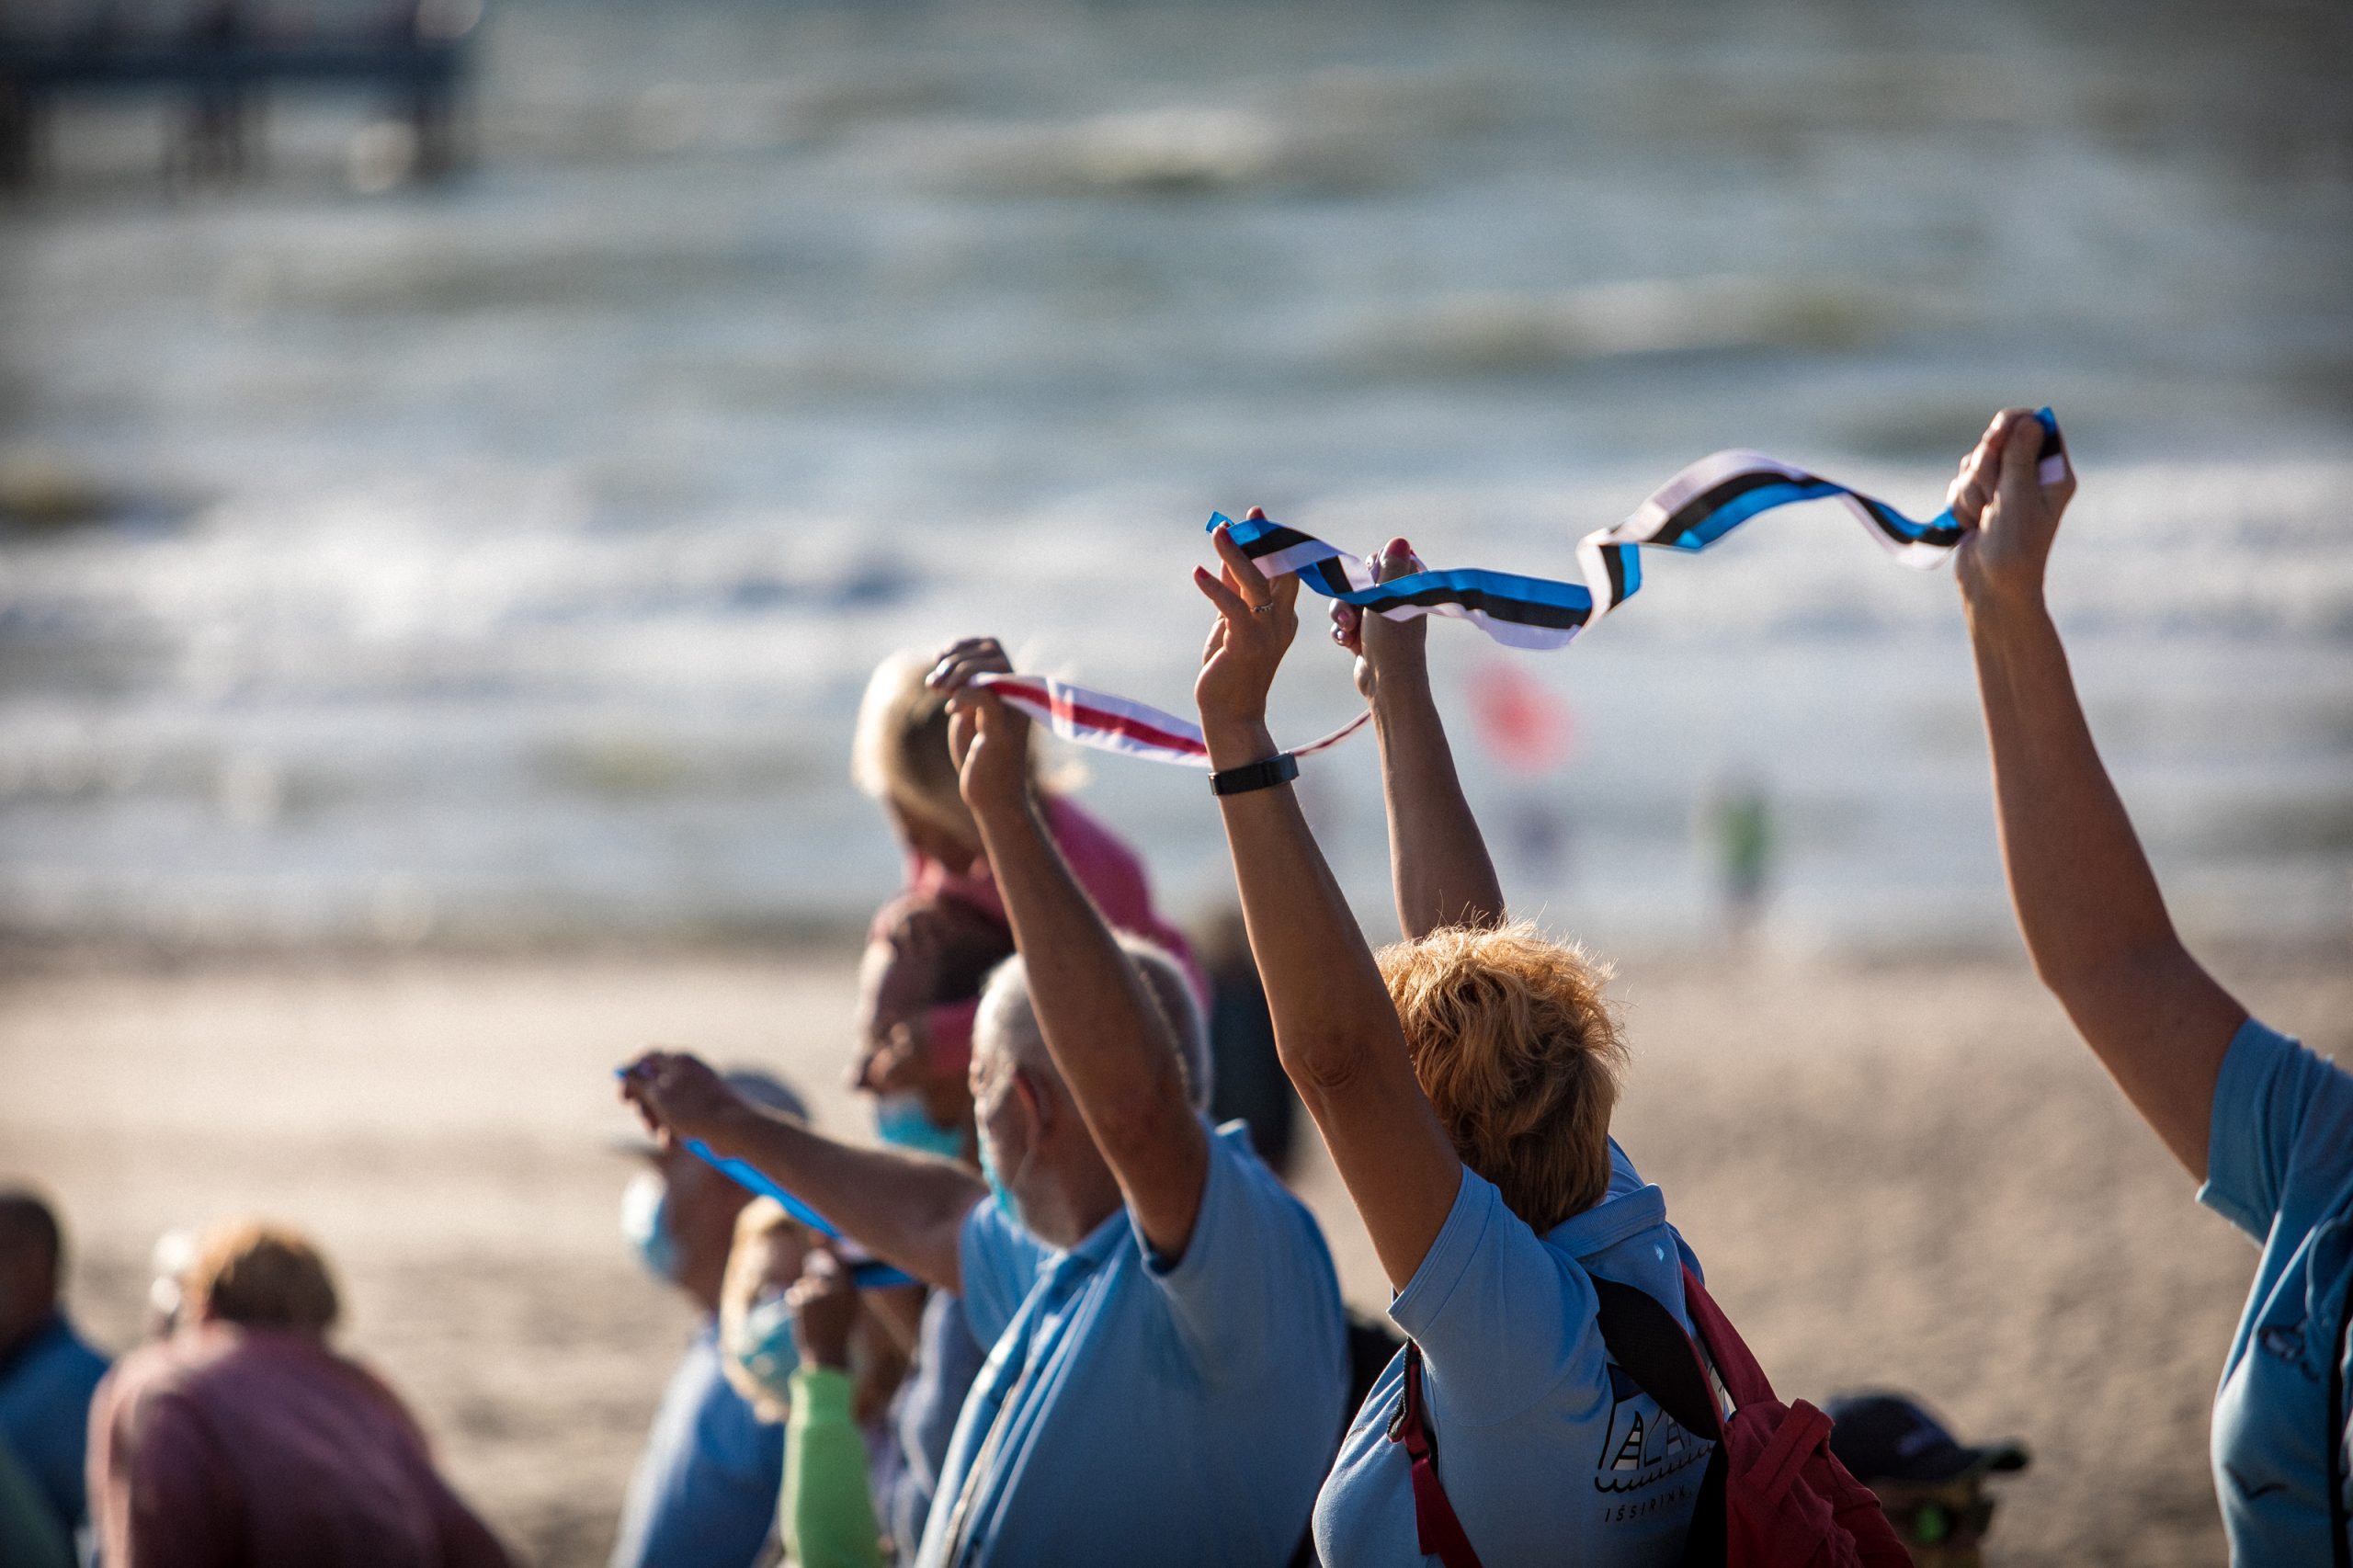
(1008, 1017)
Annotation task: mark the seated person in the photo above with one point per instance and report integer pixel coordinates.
(244, 1438)
(1932, 1487)
(1166, 1376)
(2265, 1124)
(47, 1371)
(1463, 1082)
(704, 1492)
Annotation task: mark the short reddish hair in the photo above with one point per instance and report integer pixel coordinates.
(1520, 1057)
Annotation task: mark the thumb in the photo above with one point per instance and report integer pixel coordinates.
(2021, 452)
(1397, 560)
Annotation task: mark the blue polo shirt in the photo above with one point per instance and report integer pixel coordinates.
(1141, 1411)
(2280, 1167)
(45, 1388)
(705, 1491)
(1547, 1450)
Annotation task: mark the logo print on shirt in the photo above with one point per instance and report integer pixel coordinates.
(1644, 1445)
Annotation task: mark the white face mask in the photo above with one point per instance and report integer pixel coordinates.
(645, 1221)
(763, 1344)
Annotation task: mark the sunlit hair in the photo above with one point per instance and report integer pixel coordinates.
(260, 1275)
(761, 1227)
(900, 753)
(1519, 1055)
(1008, 1018)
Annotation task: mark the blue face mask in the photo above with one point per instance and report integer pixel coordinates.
(1003, 1193)
(902, 1122)
(764, 1345)
(645, 1220)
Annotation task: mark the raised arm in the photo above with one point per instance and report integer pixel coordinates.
(906, 1209)
(1335, 1028)
(1105, 1033)
(1437, 860)
(2087, 904)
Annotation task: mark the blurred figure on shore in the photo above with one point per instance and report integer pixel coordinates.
(1931, 1485)
(1738, 821)
(704, 1493)
(244, 1438)
(2265, 1124)
(47, 1371)
(930, 948)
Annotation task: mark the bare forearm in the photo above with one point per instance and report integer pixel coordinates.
(1107, 1036)
(1320, 980)
(2088, 903)
(905, 1208)
(1440, 869)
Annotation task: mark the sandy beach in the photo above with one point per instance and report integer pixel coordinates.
(1908, 1175)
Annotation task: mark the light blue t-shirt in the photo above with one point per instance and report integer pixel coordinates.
(2280, 1167)
(45, 1389)
(1143, 1413)
(705, 1491)
(1547, 1449)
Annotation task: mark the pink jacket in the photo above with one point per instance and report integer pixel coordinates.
(263, 1449)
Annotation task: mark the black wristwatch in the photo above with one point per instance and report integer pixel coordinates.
(1280, 769)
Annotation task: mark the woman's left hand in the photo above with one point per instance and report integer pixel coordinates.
(1256, 621)
(989, 741)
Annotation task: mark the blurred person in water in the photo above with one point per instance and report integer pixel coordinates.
(2265, 1124)
(243, 1437)
(1931, 1485)
(47, 1371)
(704, 1493)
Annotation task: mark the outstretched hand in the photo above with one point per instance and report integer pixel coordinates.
(2009, 517)
(1256, 621)
(1397, 648)
(989, 741)
(679, 1097)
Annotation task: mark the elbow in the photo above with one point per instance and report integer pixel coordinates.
(1324, 1064)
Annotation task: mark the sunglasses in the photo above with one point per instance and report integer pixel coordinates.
(1934, 1523)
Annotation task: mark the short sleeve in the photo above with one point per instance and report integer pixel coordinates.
(1501, 1319)
(2279, 1111)
(1000, 1262)
(1255, 1260)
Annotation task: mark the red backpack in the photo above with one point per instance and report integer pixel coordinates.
(1773, 1494)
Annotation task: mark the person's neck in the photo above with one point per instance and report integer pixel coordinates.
(1082, 1200)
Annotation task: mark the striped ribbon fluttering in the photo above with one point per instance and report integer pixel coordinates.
(1691, 511)
(1106, 722)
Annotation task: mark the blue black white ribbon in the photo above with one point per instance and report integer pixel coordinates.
(1691, 511)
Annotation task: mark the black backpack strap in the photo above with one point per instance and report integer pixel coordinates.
(1644, 1338)
(2337, 1418)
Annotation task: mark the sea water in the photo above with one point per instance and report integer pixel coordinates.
(502, 559)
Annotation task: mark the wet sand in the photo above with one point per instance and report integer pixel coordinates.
(1900, 1175)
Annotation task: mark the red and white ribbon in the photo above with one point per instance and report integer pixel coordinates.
(1106, 722)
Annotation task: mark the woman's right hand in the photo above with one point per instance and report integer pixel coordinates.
(1397, 649)
(2009, 517)
(1256, 621)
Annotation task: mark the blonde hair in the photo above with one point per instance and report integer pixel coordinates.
(261, 1275)
(1520, 1057)
(900, 751)
(758, 1226)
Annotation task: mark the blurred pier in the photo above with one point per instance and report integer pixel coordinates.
(222, 59)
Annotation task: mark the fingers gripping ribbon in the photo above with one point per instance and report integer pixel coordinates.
(1107, 722)
(1690, 512)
